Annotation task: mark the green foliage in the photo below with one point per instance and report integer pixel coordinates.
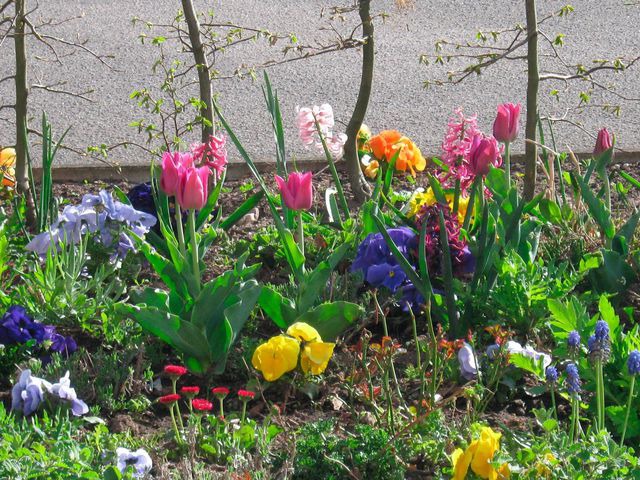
(57, 448)
(322, 454)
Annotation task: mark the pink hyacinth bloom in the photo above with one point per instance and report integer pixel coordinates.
(173, 165)
(309, 134)
(505, 126)
(483, 153)
(213, 153)
(604, 142)
(194, 188)
(297, 190)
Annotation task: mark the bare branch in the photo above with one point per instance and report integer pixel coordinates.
(53, 89)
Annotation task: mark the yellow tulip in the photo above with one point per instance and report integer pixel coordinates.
(276, 357)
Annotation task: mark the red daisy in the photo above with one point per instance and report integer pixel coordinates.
(201, 404)
(190, 390)
(171, 398)
(221, 391)
(175, 370)
(246, 394)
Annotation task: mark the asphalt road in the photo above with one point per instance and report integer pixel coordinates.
(596, 30)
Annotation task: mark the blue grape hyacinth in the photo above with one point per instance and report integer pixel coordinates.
(573, 380)
(633, 363)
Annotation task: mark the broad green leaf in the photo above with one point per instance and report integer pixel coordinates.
(550, 211)
(248, 205)
(596, 208)
(331, 319)
(279, 309)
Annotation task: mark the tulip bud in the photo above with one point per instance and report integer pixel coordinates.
(604, 142)
(194, 188)
(482, 154)
(505, 126)
(297, 191)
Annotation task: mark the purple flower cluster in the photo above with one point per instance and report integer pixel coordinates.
(551, 375)
(375, 260)
(17, 327)
(573, 380)
(99, 214)
(599, 343)
(633, 363)
(573, 341)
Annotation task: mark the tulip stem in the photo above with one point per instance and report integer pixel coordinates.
(507, 163)
(301, 233)
(194, 246)
(179, 228)
(626, 418)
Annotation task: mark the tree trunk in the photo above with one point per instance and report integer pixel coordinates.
(531, 150)
(22, 94)
(359, 186)
(202, 65)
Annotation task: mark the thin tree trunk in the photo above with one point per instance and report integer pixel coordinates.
(359, 186)
(204, 80)
(22, 94)
(531, 150)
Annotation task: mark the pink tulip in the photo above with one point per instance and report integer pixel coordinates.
(505, 126)
(194, 188)
(483, 153)
(297, 192)
(604, 142)
(173, 165)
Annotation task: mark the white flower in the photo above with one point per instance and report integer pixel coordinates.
(27, 394)
(467, 360)
(513, 347)
(139, 460)
(63, 391)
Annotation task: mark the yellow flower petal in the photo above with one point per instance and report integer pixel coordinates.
(304, 332)
(486, 447)
(315, 357)
(276, 357)
(460, 461)
(7, 157)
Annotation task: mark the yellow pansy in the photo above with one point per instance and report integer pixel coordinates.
(371, 166)
(483, 451)
(479, 456)
(315, 357)
(364, 134)
(421, 199)
(315, 353)
(276, 357)
(7, 157)
(304, 332)
(543, 466)
(460, 460)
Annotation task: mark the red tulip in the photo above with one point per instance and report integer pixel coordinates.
(505, 126)
(297, 191)
(173, 165)
(193, 191)
(482, 154)
(604, 142)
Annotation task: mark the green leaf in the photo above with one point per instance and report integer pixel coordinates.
(279, 309)
(550, 211)
(617, 416)
(331, 319)
(181, 335)
(527, 363)
(316, 281)
(248, 205)
(596, 208)
(608, 314)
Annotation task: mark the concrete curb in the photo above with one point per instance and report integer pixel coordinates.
(235, 170)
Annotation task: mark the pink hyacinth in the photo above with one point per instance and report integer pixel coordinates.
(457, 148)
(305, 123)
(213, 153)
